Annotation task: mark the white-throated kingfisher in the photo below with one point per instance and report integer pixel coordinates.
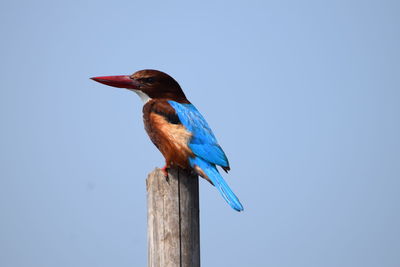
(177, 128)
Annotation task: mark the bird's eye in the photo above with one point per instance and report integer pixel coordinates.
(147, 80)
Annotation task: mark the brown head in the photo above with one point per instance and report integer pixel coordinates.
(148, 84)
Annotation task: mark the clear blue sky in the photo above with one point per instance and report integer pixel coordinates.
(304, 97)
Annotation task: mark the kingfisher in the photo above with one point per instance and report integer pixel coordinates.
(177, 128)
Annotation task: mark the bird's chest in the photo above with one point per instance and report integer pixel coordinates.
(172, 139)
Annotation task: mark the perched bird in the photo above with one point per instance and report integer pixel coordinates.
(177, 128)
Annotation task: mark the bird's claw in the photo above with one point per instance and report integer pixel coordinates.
(165, 171)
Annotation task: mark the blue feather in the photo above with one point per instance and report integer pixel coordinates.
(219, 182)
(205, 147)
(203, 142)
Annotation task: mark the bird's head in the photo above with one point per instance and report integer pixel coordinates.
(148, 84)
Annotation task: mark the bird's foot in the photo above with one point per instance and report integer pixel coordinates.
(165, 171)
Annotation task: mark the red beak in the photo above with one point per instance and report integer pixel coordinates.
(120, 81)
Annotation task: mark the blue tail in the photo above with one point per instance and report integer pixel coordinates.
(211, 171)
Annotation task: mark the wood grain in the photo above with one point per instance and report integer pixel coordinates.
(173, 219)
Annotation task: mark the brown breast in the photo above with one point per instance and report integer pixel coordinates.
(167, 133)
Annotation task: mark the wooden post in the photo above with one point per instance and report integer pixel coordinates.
(173, 229)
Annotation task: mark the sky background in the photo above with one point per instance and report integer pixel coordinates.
(304, 97)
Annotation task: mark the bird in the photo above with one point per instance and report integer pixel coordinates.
(177, 128)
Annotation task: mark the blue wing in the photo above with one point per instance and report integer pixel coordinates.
(206, 149)
(203, 143)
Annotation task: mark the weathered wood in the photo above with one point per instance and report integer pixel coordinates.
(173, 229)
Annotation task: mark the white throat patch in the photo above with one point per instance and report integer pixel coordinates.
(145, 98)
